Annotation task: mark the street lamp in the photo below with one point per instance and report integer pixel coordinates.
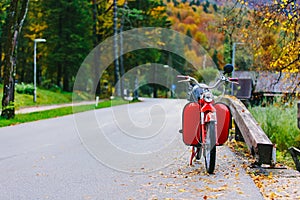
(233, 61)
(166, 67)
(34, 65)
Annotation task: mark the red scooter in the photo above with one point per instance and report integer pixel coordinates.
(205, 124)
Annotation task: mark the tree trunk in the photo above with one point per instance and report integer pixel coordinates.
(59, 75)
(0, 61)
(96, 83)
(14, 23)
(116, 50)
(122, 71)
(21, 71)
(66, 79)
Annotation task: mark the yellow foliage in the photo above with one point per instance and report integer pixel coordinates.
(281, 21)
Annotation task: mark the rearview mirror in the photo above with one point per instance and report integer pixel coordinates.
(228, 68)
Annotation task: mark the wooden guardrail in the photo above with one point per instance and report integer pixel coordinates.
(295, 154)
(256, 139)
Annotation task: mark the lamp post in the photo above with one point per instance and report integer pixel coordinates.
(233, 61)
(166, 67)
(34, 65)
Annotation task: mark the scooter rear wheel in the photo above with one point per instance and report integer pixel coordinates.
(199, 153)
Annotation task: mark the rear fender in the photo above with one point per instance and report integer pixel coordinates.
(223, 122)
(191, 124)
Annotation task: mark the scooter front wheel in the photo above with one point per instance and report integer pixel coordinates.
(209, 151)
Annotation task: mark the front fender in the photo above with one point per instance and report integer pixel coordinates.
(210, 116)
(208, 107)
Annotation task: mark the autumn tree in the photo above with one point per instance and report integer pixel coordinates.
(279, 47)
(200, 21)
(273, 32)
(235, 19)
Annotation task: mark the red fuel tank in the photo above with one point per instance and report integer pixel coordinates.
(223, 122)
(191, 124)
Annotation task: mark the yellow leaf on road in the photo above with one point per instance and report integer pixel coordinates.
(181, 190)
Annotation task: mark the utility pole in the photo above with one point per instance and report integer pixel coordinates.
(233, 61)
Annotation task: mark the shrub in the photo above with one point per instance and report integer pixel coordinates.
(47, 84)
(25, 88)
(280, 124)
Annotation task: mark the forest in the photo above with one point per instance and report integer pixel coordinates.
(268, 32)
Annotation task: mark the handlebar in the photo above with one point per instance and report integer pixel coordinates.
(233, 79)
(186, 78)
(202, 85)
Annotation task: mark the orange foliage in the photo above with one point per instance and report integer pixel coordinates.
(201, 25)
(189, 20)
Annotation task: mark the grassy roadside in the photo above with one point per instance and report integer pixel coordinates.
(50, 97)
(280, 125)
(34, 116)
(44, 97)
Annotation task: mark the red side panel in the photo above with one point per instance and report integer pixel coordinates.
(223, 122)
(190, 123)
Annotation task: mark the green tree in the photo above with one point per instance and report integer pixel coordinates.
(33, 28)
(102, 22)
(3, 13)
(68, 34)
(141, 13)
(16, 15)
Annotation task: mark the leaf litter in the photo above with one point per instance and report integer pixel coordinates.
(272, 183)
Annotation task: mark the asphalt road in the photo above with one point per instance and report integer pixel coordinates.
(125, 152)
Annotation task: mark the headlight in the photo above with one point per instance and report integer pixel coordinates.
(195, 93)
(208, 97)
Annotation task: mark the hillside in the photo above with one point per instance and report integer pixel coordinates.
(224, 2)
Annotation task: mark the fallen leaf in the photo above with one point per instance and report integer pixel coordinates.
(270, 175)
(181, 190)
(87, 197)
(272, 195)
(237, 175)
(199, 190)
(170, 184)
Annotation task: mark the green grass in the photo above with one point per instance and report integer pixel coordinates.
(280, 125)
(22, 118)
(44, 97)
(48, 97)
